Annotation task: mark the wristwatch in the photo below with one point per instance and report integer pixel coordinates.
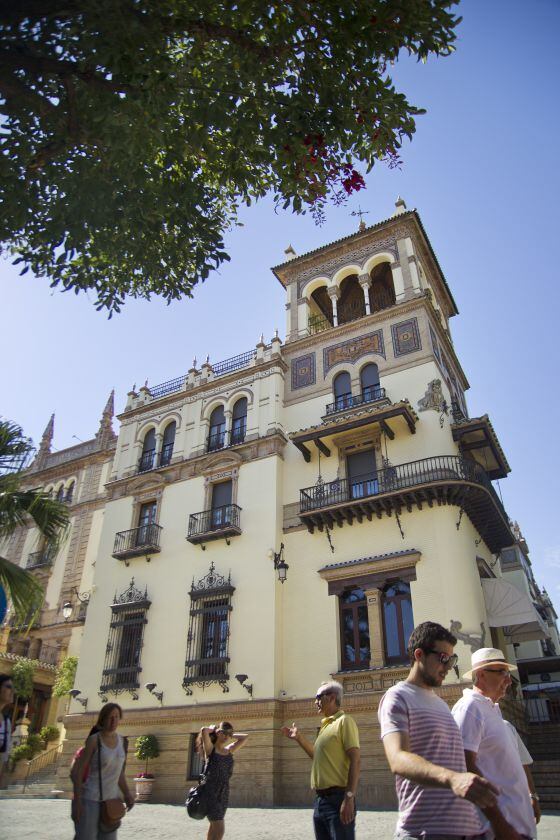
(349, 794)
(535, 797)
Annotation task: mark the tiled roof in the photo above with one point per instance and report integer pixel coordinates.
(390, 554)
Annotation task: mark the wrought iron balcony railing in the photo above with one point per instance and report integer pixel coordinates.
(137, 542)
(223, 439)
(447, 479)
(37, 559)
(121, 679)
(166, 454)
(147, 460)
(344, 402)
(224, 521)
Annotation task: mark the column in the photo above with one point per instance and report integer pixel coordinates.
(365, 282)
(157, 453)
(334, 294)
(405, 268)
(375, 619)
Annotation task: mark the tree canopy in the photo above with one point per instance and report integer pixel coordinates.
(133, 130)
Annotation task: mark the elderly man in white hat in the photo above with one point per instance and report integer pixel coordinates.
(490, 748)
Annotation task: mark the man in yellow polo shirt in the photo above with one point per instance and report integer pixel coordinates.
(336, 765)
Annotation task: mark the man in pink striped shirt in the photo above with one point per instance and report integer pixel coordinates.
(423, 745)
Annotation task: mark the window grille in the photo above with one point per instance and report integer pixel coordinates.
(207, 659)
(121, 670)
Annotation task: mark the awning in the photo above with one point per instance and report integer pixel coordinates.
(510, 608)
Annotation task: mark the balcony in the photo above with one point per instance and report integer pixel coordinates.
(347, 401)
(390, 417)
(137, 542)
(219, 523)
(40, 559)
(223, 439)
(443, 479)
(147, 460)
(166, 455)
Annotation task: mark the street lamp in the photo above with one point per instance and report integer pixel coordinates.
(67, 610)
(279, 563)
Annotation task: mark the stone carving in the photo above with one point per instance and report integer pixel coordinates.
(406, 337)
(433, 398)
(353, 349)
(474, 642)
(303, 371)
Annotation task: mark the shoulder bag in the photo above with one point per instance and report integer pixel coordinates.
(197, 800)
(111, 811)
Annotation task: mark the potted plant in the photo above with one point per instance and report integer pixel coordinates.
(146, 747)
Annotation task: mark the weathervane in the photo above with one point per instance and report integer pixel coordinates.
(359, 212)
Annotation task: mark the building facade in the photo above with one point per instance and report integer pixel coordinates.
(290, 514)
(75, 476)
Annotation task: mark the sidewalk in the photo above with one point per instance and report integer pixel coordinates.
(49, 819)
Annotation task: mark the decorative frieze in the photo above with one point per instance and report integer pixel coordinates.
(353, 349)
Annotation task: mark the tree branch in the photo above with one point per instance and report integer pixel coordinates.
(13, 89)
(39, 65)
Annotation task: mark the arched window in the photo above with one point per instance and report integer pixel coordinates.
(342, 391)
(398, 621)
(321, 314)
(148, 451)
(354, 629)
(70, 492)
(168, 443)
(382, 289)
(369, 380)
(217, 429)
(351, 304)
(60, 494)
(239, 421)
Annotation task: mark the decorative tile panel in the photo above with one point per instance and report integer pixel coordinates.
(406, 337)
(303, 371)
(353, 349)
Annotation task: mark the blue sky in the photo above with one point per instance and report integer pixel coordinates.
(482, 171)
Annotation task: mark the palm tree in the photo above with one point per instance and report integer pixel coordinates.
(17, 506)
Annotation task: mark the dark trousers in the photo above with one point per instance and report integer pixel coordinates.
(326, 819)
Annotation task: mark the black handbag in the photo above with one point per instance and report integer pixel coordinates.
(196, 803)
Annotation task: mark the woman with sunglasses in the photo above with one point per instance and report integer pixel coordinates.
(217, 744)
(6, 700)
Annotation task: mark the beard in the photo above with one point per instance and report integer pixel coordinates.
(432, 682)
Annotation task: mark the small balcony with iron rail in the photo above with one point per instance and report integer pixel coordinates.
(41, 559)
(223, 440)
(147, 461)
(137, 542)
(442, 479)
(346, 402)
(214, 524)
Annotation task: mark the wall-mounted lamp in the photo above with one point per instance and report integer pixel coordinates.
(247, 686)
(74, 692)
(67, 610)
(151, 688)
(279, 563)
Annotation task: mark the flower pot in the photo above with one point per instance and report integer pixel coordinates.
(143, 789)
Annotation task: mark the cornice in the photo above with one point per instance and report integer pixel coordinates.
(259, 371)
(199, 465)
(67, 468)
(365, 322)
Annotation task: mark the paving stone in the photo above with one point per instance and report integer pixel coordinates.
(49, 819)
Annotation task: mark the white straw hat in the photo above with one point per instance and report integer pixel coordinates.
(487, 656)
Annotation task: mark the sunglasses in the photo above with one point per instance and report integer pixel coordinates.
(9, 686)
(445, 658)
(323, 694)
